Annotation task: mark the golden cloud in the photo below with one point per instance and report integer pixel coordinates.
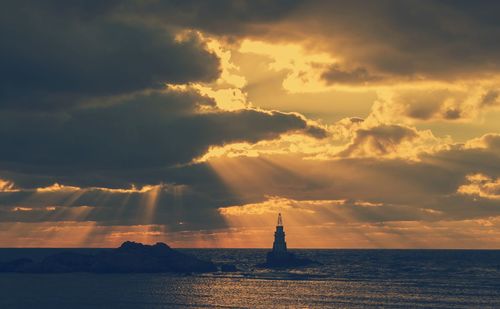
(482, 186)
(7, 186)
(350, 137)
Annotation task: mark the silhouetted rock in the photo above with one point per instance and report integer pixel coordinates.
(228, 268)
(130, 257)
(136, 257)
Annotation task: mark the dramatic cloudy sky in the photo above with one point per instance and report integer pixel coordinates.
(368, 124)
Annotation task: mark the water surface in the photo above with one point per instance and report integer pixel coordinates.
(346, 278)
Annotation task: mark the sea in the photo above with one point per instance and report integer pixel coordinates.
(344, 279)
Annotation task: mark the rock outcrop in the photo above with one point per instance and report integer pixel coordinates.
(130, 257)
(136, 257)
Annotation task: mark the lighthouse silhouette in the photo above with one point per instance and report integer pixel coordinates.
(279, 255)
(279, 245)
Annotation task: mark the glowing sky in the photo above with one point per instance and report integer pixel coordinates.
(368, 124)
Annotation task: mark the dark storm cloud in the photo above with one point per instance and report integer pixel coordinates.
(154, 130)
(59, 53)
(222, 17)
(384, 39)
(56, 54)
(76, 96)
(409, 39)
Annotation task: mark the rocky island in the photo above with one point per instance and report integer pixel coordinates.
(130, 257)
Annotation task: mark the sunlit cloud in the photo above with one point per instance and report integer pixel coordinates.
(482, 186)
(304, 69)
(58, 188)
(7, 186)
(64, 188)
(22, 209)
(347, 138)
(436, 102)
(227, 89)
(490, 140)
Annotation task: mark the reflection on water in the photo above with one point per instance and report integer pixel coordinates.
(347, 278)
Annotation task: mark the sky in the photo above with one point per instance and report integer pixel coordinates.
(367, 124)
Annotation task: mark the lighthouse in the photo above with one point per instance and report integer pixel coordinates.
(279, 245)
(279, 255)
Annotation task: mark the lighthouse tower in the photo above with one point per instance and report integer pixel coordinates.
(279, 256)
(279, 245)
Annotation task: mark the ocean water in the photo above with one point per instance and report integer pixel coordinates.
(346, 279)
